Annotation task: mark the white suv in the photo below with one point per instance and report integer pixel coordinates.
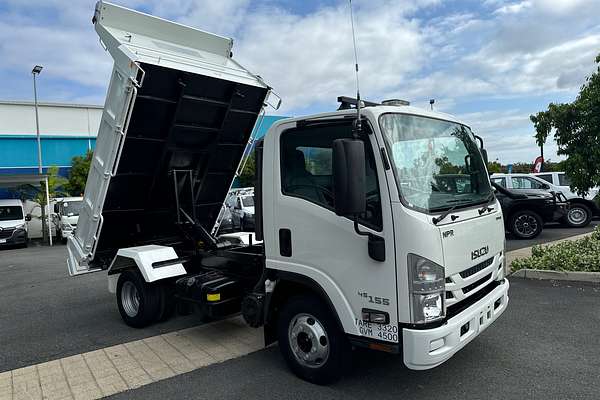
(581, 210)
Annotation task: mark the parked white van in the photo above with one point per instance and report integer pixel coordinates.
(13, 223)
(66, 216)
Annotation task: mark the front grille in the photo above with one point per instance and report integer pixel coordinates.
(457, 308)
(475, 284)
(475, 269)
(5, 233)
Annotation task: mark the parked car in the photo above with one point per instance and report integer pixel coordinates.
(66, 216)
(241, 204)
(13, 223)
(228, 224)
(526, 212)
(581, 210)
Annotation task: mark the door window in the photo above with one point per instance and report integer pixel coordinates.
(306, 168)
(521, 182)
(546, 177)
(563, 180)
(500, 181)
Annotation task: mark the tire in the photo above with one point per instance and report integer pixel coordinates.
(139, 302)
(301, 320)
(526, 224)
(167, 303)
(578, 216)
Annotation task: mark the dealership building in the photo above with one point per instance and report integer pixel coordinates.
(66, 131)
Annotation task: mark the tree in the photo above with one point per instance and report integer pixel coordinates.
(56, 185)
(494, 167)
(80, 166)
(246, 179)
(576, 128)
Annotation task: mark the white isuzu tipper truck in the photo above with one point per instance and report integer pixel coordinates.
(384, 234)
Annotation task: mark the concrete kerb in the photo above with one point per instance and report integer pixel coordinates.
(579, 276)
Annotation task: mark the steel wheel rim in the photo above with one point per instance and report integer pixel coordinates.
(130, 299)
(577, 215)
(308, 340)
(526, 225)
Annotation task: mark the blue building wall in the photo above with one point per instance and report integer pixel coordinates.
(18, 153)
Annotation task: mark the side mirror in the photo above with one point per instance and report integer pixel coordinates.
(545, 186)
(349, 177)
(56, 209)
(28, 217)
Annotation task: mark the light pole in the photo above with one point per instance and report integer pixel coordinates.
(35, 71)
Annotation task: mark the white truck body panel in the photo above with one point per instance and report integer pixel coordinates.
(145, 256)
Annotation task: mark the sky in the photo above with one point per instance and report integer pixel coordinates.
(492, 63)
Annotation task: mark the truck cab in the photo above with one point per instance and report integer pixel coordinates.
(66, 216)
(375, 226)
(13, 223)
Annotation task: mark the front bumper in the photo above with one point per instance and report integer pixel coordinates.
(18, 237)
(428, 348)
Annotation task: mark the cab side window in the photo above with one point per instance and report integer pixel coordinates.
(306, 168)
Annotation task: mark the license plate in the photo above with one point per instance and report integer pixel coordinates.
(2, 241)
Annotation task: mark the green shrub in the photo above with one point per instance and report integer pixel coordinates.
(577, 255)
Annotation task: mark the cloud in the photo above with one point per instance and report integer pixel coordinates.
(309, 59)
(488, 56)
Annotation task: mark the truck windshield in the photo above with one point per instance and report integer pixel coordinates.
(8, 213)
(437, 163)
(72, 207)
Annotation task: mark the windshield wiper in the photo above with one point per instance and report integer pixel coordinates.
(437, 220)
(486, 207)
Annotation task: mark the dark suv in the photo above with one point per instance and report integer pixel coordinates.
(526, 213)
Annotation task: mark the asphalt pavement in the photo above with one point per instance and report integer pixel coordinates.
(45, 314)
(545, 346)
(550, 233)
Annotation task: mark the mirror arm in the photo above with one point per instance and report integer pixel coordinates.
(357, 229)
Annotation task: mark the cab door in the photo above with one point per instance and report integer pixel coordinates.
(307, 237)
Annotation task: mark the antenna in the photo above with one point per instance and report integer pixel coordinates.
(358, 122)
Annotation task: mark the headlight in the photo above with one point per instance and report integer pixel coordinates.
(22, 226)
(66, 227)
(427, 289)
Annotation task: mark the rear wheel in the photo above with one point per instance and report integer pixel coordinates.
(139, 302)
(311, 342)
(578, 216)
(526, 224)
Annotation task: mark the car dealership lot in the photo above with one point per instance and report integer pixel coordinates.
(45, 314)
(551, 232)
(538, 349)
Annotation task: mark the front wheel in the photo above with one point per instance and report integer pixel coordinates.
(139, 302)
(311, 342)
(578, 216)
(526, 224)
